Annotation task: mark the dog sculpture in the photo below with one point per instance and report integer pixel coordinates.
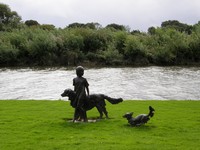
(93, 100)
(140, 119)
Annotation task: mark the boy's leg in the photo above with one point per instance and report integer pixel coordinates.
(76, 114)
(81, 111)
(85, 116)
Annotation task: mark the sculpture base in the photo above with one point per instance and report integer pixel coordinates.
(89, 121)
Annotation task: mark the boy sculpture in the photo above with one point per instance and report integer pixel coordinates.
(80, 87)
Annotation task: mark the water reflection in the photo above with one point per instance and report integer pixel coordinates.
(146, 83)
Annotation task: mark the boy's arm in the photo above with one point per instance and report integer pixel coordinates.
(74, 84)
(87, 87)
(88, 92)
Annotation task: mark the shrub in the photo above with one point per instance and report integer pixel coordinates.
(8, 54)
(134, 50)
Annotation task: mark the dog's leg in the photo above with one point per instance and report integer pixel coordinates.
(105, 112)
(100, 111)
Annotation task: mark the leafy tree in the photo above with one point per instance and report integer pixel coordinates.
(116, 27)
(76, 25)
(135, 32)
(177, 25)
(151, 30)
(31, 23)
(87, 25)
(47, 27)
(8, 19)
(93, 25)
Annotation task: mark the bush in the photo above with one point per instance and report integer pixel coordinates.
(194, 45)
(38, 46)
(134, 51)
(41, 48)
(8, 55)
(111, 56)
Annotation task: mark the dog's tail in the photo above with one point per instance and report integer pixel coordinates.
(113, 100)
(151, 111)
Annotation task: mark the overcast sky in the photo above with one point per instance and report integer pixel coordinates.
(137, 14)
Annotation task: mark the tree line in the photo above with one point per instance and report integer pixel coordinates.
(32, 44)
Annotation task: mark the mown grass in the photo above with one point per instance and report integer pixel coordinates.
(44, 125)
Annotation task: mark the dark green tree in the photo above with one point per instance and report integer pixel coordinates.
(31, 23)
(76, 25)
(135, 32)
(116, 27)
(152, 30)
(87, 25)
(8, 19)
(93, 25)
(47, 27)
(177, 25)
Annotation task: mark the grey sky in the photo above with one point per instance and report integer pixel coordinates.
(137, 14)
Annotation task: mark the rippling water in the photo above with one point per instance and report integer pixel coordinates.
(144, 83)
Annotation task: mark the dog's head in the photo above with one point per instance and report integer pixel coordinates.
(128, 115)
(66, 92)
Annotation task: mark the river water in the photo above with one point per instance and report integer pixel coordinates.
(143, 83)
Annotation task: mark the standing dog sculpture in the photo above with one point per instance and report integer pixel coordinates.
(93, 100)
(140, 119)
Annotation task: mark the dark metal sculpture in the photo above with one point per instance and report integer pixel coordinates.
(93, 100)
(140, 119)
(80, 87)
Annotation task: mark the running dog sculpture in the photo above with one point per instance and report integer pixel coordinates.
(140, 119)
(93, 100)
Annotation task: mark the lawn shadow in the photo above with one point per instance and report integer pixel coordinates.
(69, 121)
(90, 119)
(142, 127)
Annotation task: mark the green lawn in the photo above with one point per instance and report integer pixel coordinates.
(44, 125)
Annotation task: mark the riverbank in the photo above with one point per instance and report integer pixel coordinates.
(45, 125)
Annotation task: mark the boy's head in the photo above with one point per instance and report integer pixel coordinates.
(79, 71)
